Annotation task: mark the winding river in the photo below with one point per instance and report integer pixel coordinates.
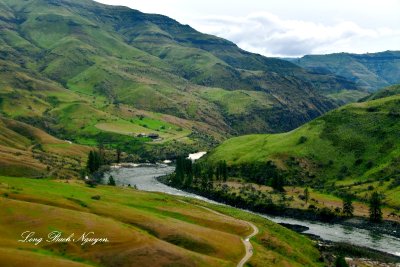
(144, 178)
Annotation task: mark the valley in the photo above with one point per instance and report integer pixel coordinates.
(292, 161)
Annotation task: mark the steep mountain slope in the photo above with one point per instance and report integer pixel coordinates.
(153, 63)
(356, 145)
(91, 120)
(369, 71)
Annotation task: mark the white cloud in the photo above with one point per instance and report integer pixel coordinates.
(287, 27)
(270, 35)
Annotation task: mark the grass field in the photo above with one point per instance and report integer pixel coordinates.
(146, 229)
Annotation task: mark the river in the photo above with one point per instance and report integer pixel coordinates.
(144, 177)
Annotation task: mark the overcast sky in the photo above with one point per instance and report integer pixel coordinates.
(288, 28)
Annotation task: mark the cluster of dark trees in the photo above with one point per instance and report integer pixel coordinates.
(201, 175)
(375, 207)
(95, 168)
(188, 174)
(95, 160)
(264, 173)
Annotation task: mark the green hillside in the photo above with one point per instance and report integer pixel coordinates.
(143, 229)
(385, 92)
(354, 148)
(368, 71)
(58, 53)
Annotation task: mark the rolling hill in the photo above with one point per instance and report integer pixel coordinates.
(30, 152)
(368, 71)
(143, 229)
(354, 148)
(60, 58)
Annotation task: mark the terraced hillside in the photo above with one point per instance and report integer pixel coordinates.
(143, 229)
(55, 53)
(354, 148)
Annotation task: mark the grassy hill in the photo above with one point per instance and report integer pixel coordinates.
(354, 148)
(368, 71)
(30, 152)
(143, 229)
(89, 119)
(56, 54)
(385, 92)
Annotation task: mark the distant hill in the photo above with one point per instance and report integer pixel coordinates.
(384, 92)
(56, 53)
(356, 145)
(368, 71)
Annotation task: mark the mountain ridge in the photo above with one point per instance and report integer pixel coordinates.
(369, 71)
(154, 63)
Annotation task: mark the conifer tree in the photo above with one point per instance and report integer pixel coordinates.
(111, 180)
(375, 212)
(348, 207)
(306, 195)
(90, 163)
(224, 171)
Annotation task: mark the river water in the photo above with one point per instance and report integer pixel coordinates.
(144, 177)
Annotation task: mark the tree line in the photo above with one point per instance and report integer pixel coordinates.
(188, 174)
(199, 178)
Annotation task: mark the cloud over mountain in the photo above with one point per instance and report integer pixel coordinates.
(271, 35)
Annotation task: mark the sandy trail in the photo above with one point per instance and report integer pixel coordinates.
(246, 242)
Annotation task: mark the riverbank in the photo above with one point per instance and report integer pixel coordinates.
(355, 255)
(145, 179)
(385, 227)
(329, 249)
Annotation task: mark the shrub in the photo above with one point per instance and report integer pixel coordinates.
(111, 180)
(302, 140)
(341, 262)
(326, 214)
(312, 208)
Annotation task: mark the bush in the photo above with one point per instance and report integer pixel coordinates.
(326, 214)
(90, 182)
(358, 162)
(369, 164)
(341, 262)
(312, 208)
(302, 140)
(96, 197)
(111, 180)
